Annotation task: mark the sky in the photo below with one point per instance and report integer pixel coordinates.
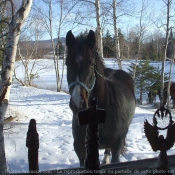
(87, 20)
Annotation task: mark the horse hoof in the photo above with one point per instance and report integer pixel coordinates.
(105, 162)
(106, 159)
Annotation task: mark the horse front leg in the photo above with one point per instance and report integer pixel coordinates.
(106, 158)
(173, 103)
(80, 151)
(79, 133)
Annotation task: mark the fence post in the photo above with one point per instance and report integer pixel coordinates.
(91, 117)
(32, 143)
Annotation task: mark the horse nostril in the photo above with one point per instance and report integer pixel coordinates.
(72, 102)
(81, 103)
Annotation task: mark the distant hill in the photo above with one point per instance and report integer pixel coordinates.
(62, 39)
(45, 43)
(44, 46)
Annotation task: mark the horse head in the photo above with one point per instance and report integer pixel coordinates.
(80, 64)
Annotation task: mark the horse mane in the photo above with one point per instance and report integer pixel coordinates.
(100, 80)
(82, 48)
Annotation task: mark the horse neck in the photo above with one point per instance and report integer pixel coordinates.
(99, 88)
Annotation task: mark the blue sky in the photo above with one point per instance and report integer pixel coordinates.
(125, 22)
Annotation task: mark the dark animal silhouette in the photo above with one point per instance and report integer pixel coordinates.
(32, 142)
(172, 93)
(88, 78)
(155, 90)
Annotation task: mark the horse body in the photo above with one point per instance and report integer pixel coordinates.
(113, 88)
(108, 72)
(155, 90)
(172, 93)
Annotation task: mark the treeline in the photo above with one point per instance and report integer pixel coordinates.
(152, 48)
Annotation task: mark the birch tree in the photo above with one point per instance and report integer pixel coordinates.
(49, 18)
(116, 36)
(168, 4)
(96, 4)
(14, 29)
(50, 31)
(170, 55)
(99, 30)
(65, 9)
(143, 26)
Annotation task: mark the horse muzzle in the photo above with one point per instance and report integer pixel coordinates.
(77, 106)
(79, 101)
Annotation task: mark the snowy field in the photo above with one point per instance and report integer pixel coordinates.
(53, 117)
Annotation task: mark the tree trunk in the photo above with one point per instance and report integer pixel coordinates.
(99, 30)
(170, 82)
(8, 67)
(59, 80)
(64, 58)
(170, 55)
(55, 58)
(116, 37)
(140, 38)
(168, 5)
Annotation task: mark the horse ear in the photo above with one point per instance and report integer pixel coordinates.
(70, 39)
(91, 39)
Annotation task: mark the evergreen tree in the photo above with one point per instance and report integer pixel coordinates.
(170, 50)
(151, 51)
(134, 46)
(83, 34)
(123, 48)
(146, 75)
(60, 49)
(108, 45)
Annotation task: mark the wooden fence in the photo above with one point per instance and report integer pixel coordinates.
(133, 167)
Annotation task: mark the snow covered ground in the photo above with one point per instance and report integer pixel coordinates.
(53, 117)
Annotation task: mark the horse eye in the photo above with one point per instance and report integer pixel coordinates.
(92, 65)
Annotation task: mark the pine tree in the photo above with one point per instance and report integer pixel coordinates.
(151, 51)
(59, 51)
(82, 35)
(170, 49)
(146, 75)
(108, 45)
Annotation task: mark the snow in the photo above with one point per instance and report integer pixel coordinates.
(53, 116)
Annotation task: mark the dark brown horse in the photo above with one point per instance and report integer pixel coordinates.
(172, 93)
(87, 78)
(155, 90)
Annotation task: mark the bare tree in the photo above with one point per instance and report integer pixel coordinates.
(96, 4)
(56, 63)
(171, 56)
(48, 15)
(168, 4)
(15, 25)
(63, 4)
(143, 26)
(99, 30)
(116, 36)
(112, 14)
